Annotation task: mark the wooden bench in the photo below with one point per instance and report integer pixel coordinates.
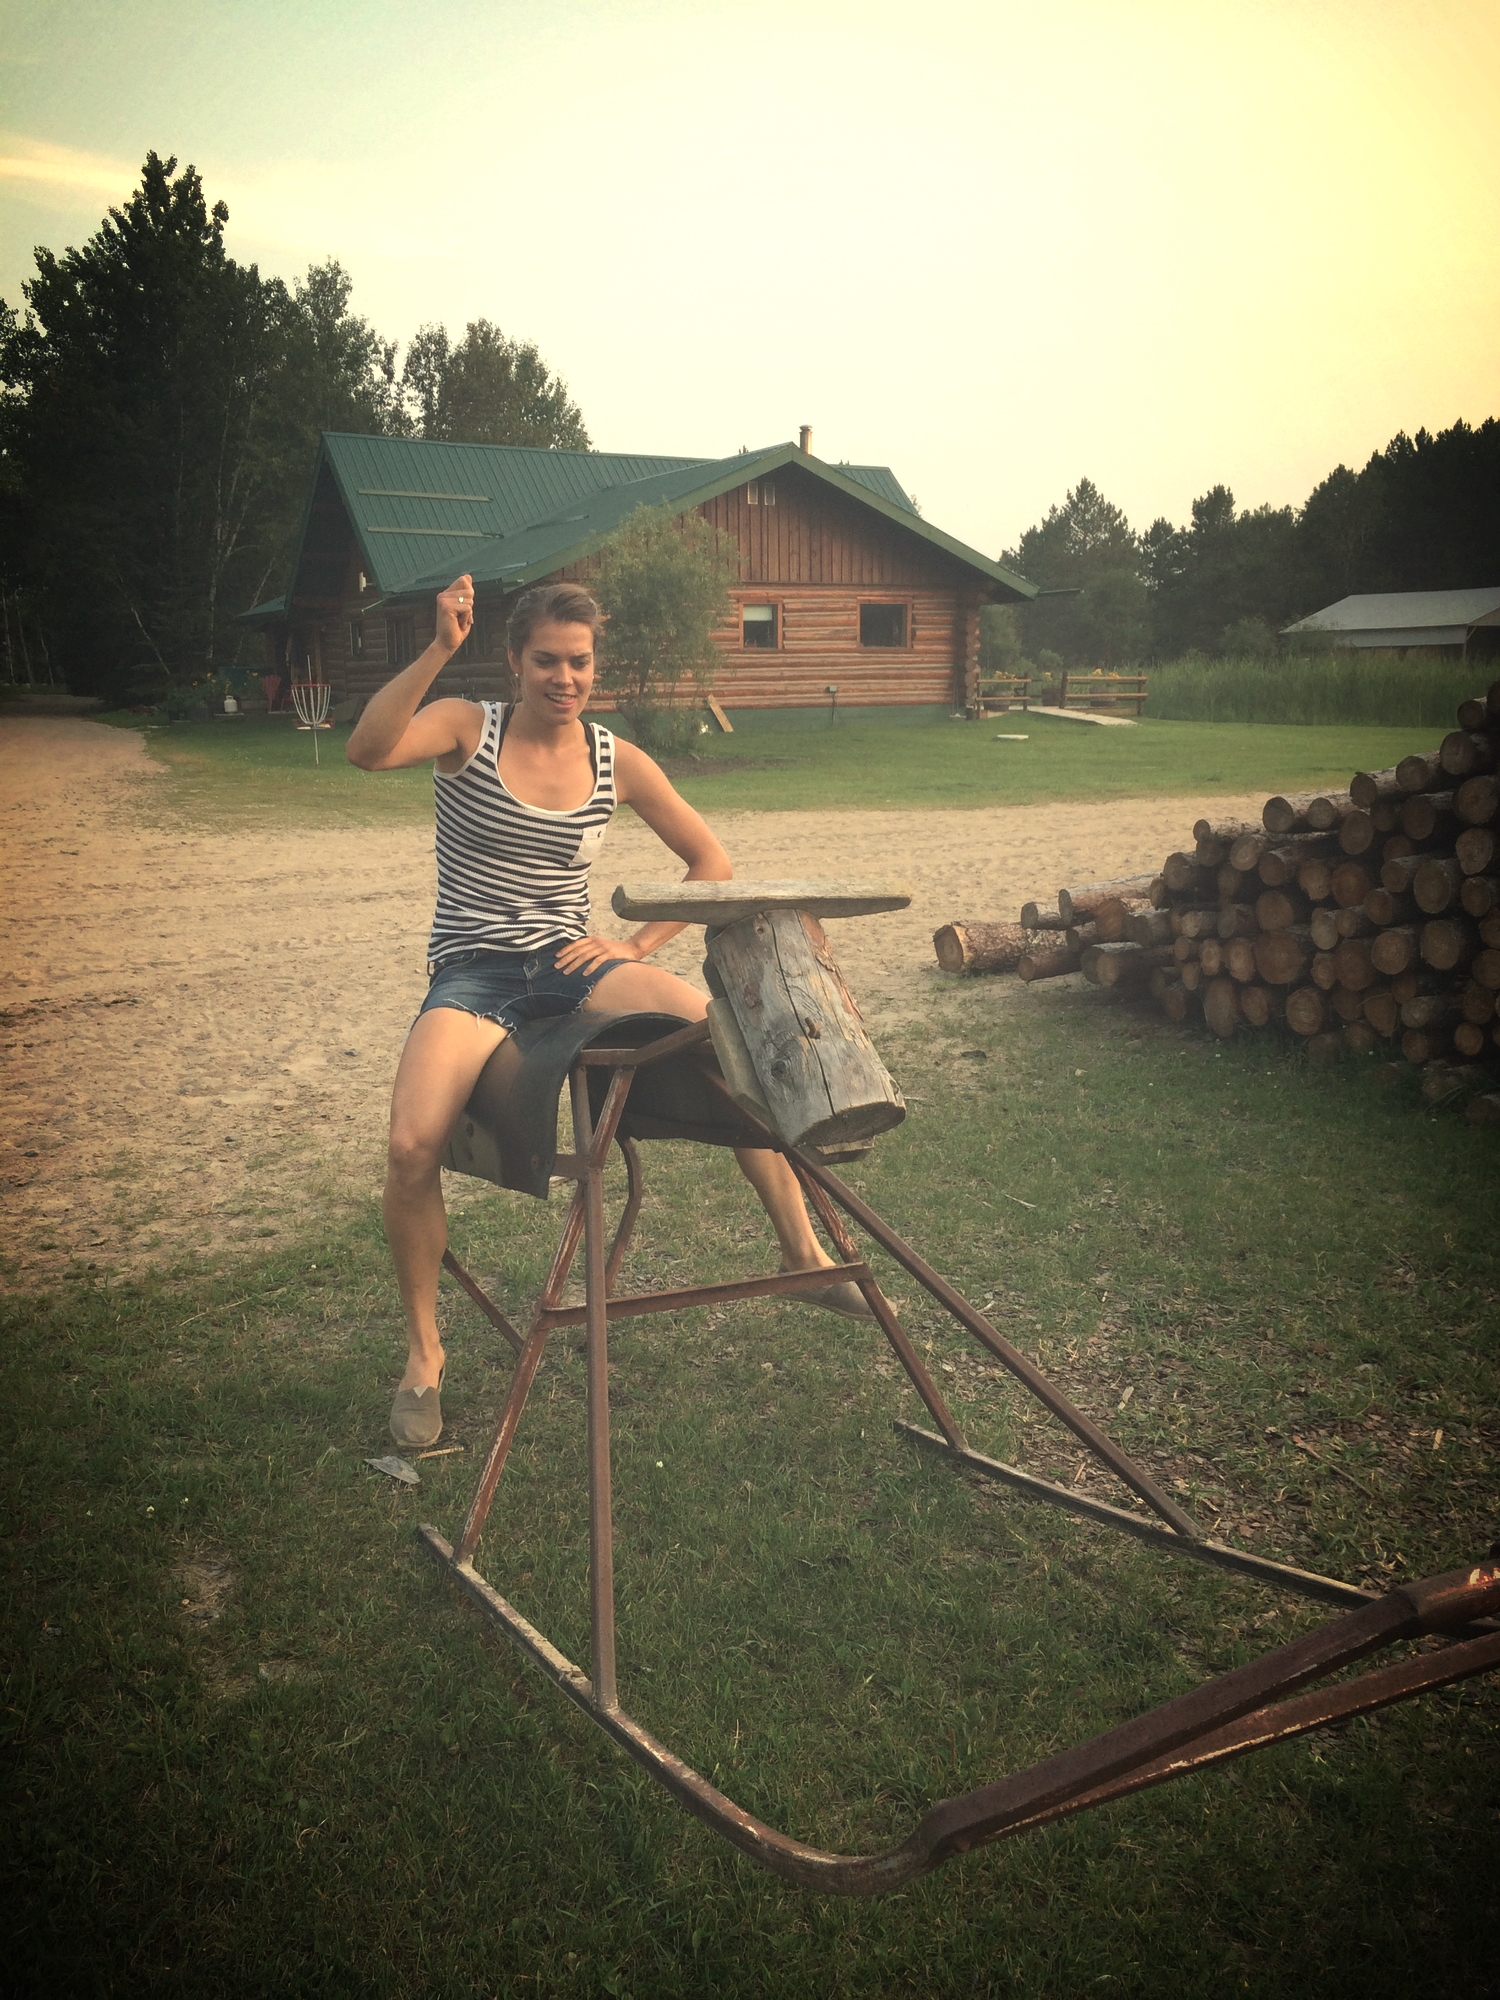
(1103, 690)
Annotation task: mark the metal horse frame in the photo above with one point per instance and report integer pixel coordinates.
(1240, 1711)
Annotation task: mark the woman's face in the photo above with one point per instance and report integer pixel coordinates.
(555, 671)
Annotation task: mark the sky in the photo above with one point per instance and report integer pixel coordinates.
(997, 246)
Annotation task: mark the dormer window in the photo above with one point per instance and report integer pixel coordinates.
(761, 493)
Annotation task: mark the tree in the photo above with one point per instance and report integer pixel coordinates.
(161, 413)
(488, 390)
(663, 582)
(1086, 548)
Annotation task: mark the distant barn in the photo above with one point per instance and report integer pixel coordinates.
(1465, 619)
(840, 580)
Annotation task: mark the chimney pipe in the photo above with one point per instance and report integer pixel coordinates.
(804, 439)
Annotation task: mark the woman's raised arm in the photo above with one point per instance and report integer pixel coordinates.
(395, 731)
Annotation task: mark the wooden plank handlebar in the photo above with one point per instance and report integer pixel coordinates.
(727, 902)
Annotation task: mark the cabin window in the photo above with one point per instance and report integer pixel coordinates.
(400, 641)
(356, 638)
(882, 624)
(768, 493)
(752, 494)
(759, 625)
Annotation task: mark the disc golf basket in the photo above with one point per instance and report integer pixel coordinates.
(312, 700)
(783, 1063)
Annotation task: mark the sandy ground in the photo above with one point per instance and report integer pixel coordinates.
(199, 1031)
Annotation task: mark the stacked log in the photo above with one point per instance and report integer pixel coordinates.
(1362, 921)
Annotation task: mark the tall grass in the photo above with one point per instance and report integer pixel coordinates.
(1421, 691)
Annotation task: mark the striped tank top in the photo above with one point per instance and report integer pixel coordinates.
(513, 877)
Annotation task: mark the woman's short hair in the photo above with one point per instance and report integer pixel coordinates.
(552, 604)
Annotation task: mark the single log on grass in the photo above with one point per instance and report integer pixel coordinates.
(1279, 909)
(1436, 882)
(1035, 918)
(1382, 907)
(1476, 847)
(1239, 958)
(1396, 949)
(1352, 958)
(1123, 964)
(1381, 1011)
(1447, 944)
(1211, 957)
(1262, 1005)
(1221, 1006)
(1145, 927)
(1422, 772)
(1237, 920)
(1351, 883)
(1477, 800)
(1466, 751)
(1306, 1010)
(1360, 1039)
(1282, 956)
(1046, 965)
(1084, 900)
(1479, 894)
(973, 947)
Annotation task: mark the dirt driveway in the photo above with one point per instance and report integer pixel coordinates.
(199, 1031)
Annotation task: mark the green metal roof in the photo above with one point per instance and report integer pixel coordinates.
(423, 512)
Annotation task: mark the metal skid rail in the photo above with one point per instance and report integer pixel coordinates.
(1238, 1712)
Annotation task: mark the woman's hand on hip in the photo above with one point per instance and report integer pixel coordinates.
(587, 954)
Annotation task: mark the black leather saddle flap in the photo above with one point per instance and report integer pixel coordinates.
(508, 1130)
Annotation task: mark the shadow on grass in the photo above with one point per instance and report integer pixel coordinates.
(259, 1745)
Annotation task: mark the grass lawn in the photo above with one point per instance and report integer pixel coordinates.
(321, 1775)
(253, 772)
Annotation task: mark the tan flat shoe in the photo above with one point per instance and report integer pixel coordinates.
(417, 1416)
(846, 1298)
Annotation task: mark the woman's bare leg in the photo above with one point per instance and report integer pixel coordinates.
(651, 989)
(440, 1065)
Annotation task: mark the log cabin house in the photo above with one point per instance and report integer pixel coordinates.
(842, 584)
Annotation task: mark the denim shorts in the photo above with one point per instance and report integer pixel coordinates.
(512, 986)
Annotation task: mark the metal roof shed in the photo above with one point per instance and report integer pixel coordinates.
(1403, 618)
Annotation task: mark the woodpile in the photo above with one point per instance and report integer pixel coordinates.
(1361, 921)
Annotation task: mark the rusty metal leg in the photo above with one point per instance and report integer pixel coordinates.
(628, 1215)
(500, 1444)
(482, 1299)
(601, 1522)
(1099, 1442)
(878, 1303)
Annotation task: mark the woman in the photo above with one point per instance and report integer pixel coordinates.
(525, 790)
